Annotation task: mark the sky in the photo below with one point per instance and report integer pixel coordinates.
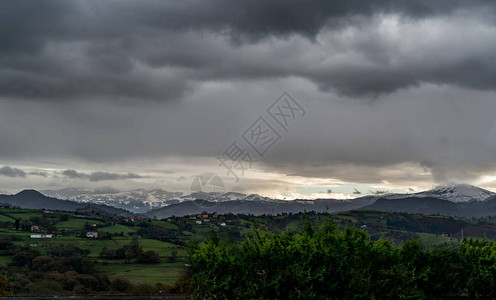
(287, 99)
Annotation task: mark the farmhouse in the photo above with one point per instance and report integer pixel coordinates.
(92, 234)
(41, 236)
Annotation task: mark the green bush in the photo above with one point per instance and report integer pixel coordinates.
(323, 263)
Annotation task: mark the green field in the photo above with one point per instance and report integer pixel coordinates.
(430, 240)
(4, 218)
(5, 260)
(118, 229)
(164, 273)
(23, 214)
(163, 249)
(346, 218)
(165, 224)
(76, 224)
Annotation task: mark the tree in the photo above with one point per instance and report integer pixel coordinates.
(173, 257)
(121, 285)
(107, 253)
(4, 282)
(148, 257)
(25, 258)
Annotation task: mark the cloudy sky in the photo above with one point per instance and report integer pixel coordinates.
(381, 95)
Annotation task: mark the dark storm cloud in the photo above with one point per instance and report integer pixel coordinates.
(141, 50)
(86, 68)
(12, 172)
(99, 176)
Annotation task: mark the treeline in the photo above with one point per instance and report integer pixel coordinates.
(321, 262)
(131, 251)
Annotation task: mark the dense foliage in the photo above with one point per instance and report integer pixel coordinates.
(321, 262)
(68, 270)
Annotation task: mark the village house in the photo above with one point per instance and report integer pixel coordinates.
(41, 236)
(92, 234)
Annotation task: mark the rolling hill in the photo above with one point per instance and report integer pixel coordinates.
(257, 207)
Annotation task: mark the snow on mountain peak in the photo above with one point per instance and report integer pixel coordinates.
(458, 193)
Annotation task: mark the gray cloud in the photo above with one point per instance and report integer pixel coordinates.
(39, 173)
(12, 172)
(163, 50)
(99, 176)
(73, 174)
(115, 81)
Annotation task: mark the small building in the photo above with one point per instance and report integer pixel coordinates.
(222, 224)
(35, 228)
(92, 234)
(199, 222)
(41, 236)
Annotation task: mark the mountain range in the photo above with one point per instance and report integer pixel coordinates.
(137, 201)
(456, 199)
(36, 200)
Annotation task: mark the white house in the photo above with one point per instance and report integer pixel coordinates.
(92, 234)
(41, 236)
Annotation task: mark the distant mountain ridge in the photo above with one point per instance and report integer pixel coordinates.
(455, 199)
(257, 207)
(35, 200)
(137, 201)
(142, 201)
(452, 192)
(458, 199)
(426, 205)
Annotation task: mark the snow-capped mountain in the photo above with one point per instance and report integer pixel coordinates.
(141, 200)
(229, 196)
(452, 192)
(138, 201)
